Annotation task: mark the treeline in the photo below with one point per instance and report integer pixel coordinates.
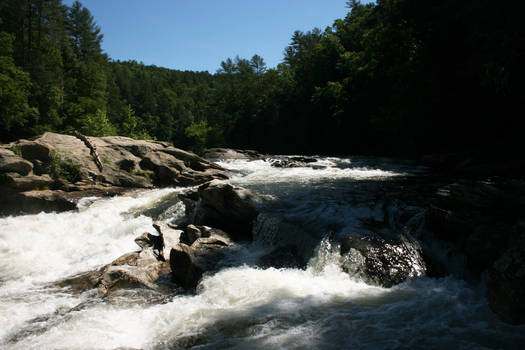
(399, 77)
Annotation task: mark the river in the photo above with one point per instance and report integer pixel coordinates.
(244, 305)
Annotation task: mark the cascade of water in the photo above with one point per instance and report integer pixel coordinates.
(242, 306)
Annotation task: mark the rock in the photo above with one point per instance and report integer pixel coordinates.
(11, 163)
(191, 160)
(228, 153)
(476, 218)
(505, 286)
(121, 162)
(28, 182)
(210, 238)
(127, 164)
(284, 236)
(35, 150)
(142, 268)
(184, 268)
(188, 263)
(381, 261)
(160, 255)
(148, 240)
(33, 202)
(192, 233)
(169, 237)
(136, 269)
(165, 167)
(226, 207)
(292, 162)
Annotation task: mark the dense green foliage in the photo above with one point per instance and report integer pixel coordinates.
(395, 77)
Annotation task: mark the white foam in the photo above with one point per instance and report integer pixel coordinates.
(47, 246)
(325, 168)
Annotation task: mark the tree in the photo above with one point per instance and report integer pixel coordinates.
(15, 112)
(258, 65)
(97, 124)
(84, 66)
(198, 131)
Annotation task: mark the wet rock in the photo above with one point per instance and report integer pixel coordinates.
(142, 268)
(160, 255)
(169, 237)
(505, 286)
(149, 240)
(192, 233)
(184, 268)
(210, 239)
(226, 207)
(381, 261)
(188, 263)
(284, 236)
(228, 153)
(292, 162)
(477, 219)
(136, 269)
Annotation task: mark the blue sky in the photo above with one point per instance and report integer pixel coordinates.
(199, 34)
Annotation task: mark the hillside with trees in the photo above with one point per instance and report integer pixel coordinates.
(395, 77)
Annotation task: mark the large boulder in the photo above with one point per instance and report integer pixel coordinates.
(385, 262)
(185, 270)
(188, 262)
(226, 207)
(136, 269)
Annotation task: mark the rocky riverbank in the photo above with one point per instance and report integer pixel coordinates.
(52, 171)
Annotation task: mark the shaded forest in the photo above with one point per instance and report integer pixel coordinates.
(396, 77)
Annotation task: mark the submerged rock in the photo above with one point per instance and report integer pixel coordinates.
(292, 162)
(385, 262)
(292, 245)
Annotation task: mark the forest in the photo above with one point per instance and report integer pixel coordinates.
(394, 77)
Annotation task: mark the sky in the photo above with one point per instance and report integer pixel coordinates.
(198, 34)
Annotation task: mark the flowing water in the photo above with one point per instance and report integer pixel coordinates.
(243, 305)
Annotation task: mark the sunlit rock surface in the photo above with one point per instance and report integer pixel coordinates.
(113, 164)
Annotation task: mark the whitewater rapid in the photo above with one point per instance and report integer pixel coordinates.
(243, 305)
